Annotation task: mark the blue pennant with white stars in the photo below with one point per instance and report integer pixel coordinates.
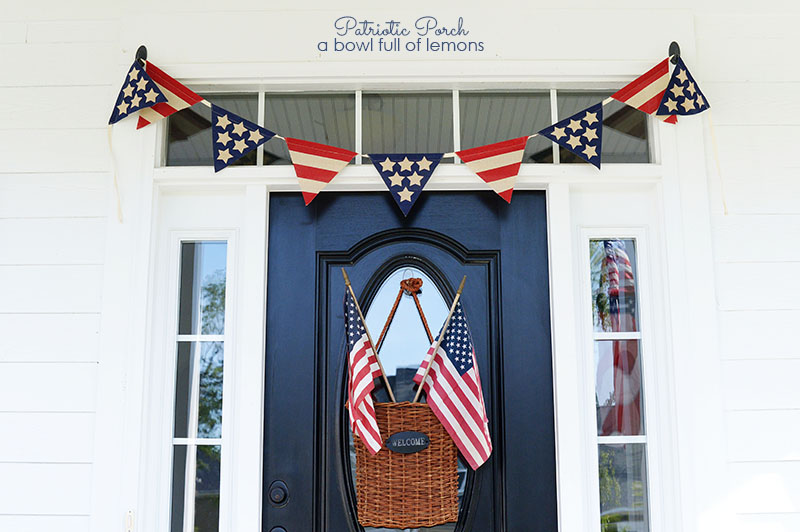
(138, 92)
(405, 174)
(683, 96)
(581, 133)
(234, 136)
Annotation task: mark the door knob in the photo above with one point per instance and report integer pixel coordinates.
(278, 495)
(278, 529)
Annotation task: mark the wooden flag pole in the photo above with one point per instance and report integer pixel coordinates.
(441, 337)
(369, 337)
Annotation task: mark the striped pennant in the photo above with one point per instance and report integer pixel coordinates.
(178, 97)
(316, 164)
(497, 164)
(646, 91)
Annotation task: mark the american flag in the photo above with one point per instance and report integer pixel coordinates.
(362, 369)
(454, 391)
(178, 97)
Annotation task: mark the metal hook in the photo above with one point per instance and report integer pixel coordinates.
(674, 52)
(141, 54)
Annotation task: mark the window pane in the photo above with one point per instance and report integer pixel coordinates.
(623, 488)
(406, 342)
(326, 118)
(189, 130)
(489, 117)
(614, 275)
(202, 288)
(209, 424)
(183, 389)
(407, 122)
(206, 495)
(178, 487)
(618, 388)
(625, 138)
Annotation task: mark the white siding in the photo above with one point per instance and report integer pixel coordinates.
(757, 254)
(54, 179)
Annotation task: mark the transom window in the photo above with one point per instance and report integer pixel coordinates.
(432, 121)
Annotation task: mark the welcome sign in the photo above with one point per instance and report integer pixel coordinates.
(352, 35)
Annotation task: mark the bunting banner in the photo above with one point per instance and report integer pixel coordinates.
(646, 92)
(152, 94)
(405, 174)
(683, 96)
(234, 136)
(316, 164)
(178, 96)
(497, 164)
(138, 92)
(581, 133)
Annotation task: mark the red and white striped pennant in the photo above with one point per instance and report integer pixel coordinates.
(497, 164)
(316, 164)
(646, 91)
(178, 97)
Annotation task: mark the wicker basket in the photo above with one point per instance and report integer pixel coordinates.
(407, 490)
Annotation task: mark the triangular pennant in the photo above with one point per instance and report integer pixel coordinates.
(179, 97)
(497, 164)
(581, 133)
(234, 136)
(683, 96)
(646, 91)
(316, 164)
(138, 92)
(405, 174)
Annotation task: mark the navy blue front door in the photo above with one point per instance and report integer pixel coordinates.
(503, 251)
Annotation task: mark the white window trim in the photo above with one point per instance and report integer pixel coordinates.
(655, 365)
(160, 387)
(679, 185)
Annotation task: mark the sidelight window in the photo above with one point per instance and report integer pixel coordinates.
(197, 440)
(618, 388)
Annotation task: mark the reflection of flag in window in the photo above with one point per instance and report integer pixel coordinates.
(621, 413)
(620, 289)
(624, 416)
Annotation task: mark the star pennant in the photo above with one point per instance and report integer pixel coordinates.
(683, 96)
(497, 164)
(234, 136)
(179, 97)
(405, 174)
(139, 92)
(581, 133)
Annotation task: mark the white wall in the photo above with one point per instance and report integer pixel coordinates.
(757, 255)
(53, 204)
(62, 63)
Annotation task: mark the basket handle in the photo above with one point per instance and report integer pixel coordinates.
(410, 286)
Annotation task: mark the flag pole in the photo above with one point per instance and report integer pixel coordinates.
(441, 337)
(369, 337)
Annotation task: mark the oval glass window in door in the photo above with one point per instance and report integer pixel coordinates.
(403, 350)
